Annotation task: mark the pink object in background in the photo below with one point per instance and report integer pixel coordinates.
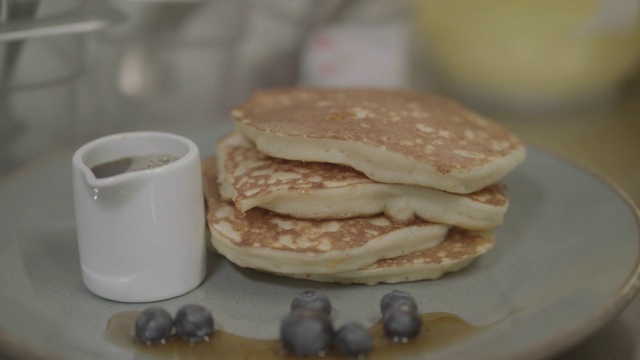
(357, 55)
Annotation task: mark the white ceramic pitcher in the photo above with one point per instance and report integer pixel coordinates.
(140, 233)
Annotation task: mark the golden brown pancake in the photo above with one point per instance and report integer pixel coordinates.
(314, 190)
(456, 252)
(391, 136)
(270, 242)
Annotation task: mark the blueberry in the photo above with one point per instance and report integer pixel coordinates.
(312, 300)
(306, 333)
(153, 325)
(193, 323)
(400, 325)
(399, 299)
(353, 339)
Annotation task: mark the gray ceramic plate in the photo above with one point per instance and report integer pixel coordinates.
(566, 261)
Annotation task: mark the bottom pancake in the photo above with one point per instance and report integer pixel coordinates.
(456, 252)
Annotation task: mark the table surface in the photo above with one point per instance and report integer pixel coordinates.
(606, 140)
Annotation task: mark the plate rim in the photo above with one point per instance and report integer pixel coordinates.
(624, 295)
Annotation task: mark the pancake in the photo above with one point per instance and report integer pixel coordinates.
(314, 190)
(391, 136)
(267, 241)
(456, 252)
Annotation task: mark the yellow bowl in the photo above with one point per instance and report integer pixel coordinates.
(537, 50)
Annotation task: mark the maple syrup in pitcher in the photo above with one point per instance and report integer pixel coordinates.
(439, 330)
(131, 164)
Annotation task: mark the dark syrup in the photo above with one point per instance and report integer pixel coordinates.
(131, 164)
(439, 331)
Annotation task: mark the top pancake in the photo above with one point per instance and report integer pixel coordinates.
(391, 136)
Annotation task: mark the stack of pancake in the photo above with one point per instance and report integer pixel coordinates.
(357, 185)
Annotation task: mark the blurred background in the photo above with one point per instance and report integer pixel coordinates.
(563, 75)
(560, 74)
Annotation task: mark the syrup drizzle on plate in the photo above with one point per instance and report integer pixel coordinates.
(438, 331)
